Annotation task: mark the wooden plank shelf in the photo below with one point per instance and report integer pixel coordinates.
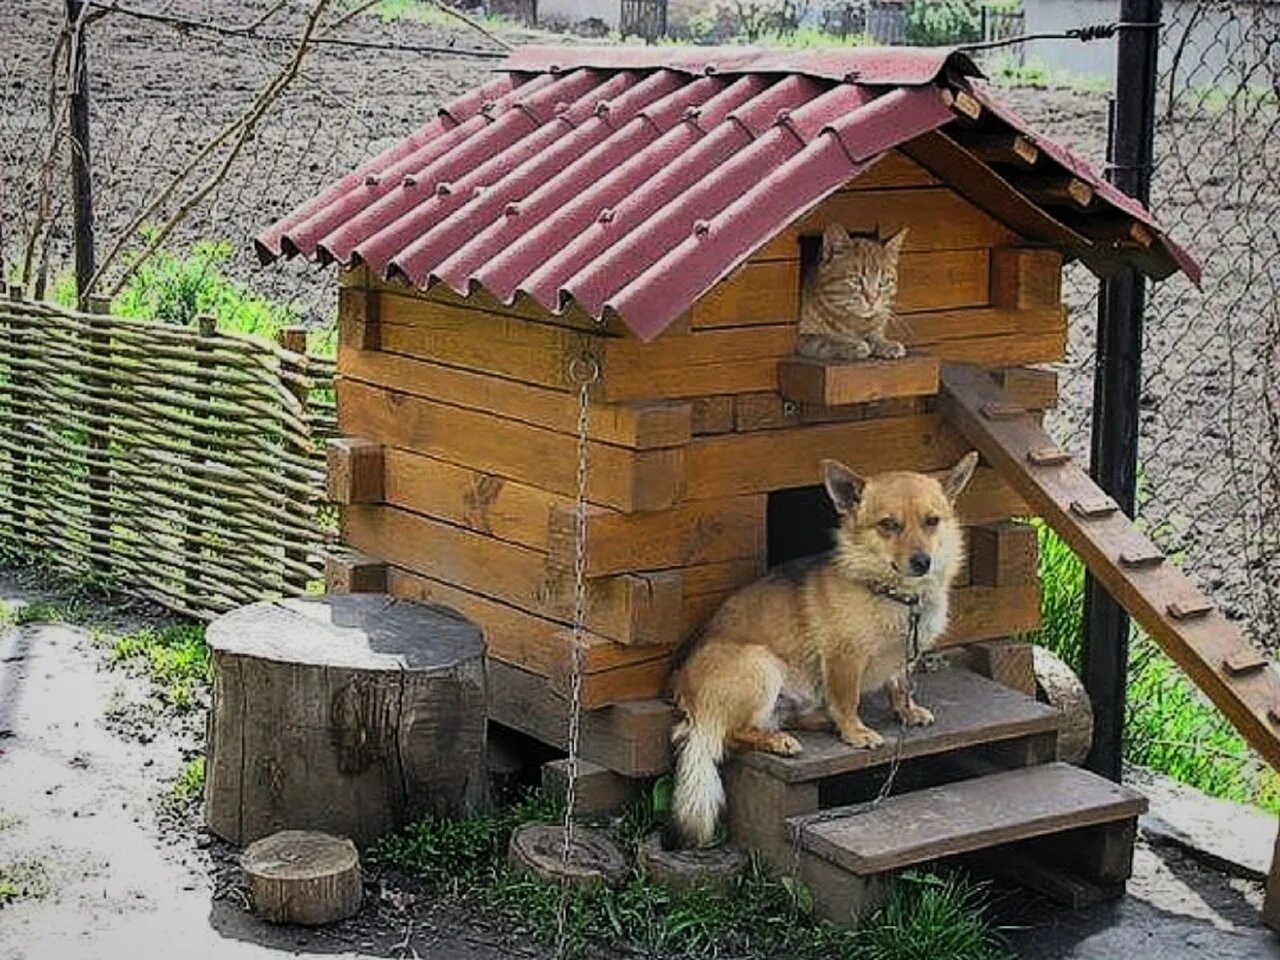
(833, 383)
(965, 816)
(970, 710)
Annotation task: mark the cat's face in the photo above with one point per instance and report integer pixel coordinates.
(860, 271)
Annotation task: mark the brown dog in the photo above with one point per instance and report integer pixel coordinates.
(798, 647)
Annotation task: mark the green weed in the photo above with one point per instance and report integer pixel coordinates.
(1169, 725)
(42, 611)
(175, 658)
(189, 784)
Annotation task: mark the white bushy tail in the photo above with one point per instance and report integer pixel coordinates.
(698, 796)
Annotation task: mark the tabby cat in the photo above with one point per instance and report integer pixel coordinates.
(847, 299)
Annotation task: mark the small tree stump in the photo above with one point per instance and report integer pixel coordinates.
(714, 867)
(351, 714)
(1058, 686)
(538, 848)
(298, 876)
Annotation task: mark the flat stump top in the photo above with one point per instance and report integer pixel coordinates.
(370, 631)
(299, 855)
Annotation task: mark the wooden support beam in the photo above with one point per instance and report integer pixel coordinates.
(358, 318)
(1002, 554)
(349, 571)
(965, 104)
(1056, 191)
(1025, 278)
(1008, 662)
(1011, 149)
(1199, 645)
(354, 470)
(1033, 387)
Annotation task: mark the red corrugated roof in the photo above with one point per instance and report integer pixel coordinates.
(632, 179)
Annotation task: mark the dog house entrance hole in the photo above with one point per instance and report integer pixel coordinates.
(799, 522)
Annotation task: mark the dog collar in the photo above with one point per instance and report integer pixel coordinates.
(897, 596)
(911, 642)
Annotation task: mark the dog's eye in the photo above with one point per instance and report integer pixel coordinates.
(889, 525)
(931, 521)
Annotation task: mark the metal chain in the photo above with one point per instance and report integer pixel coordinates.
(910, 659)
(584, 371)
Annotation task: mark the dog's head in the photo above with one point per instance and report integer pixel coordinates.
(899, 526)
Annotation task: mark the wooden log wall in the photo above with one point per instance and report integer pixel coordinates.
(466, 407)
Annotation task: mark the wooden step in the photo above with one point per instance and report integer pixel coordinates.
(966, 816)
(970, 710)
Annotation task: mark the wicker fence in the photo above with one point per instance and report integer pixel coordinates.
(175, 463)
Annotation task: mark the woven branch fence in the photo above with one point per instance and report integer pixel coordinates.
(175, 463)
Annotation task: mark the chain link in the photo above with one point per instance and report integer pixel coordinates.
(584, 371)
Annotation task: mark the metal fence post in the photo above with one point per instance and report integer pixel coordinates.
(81, 173)
(1117, 379)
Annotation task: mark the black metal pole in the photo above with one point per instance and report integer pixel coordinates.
(81, 174)
(1117, 379)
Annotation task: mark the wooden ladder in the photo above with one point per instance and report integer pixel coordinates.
(1211, 650)
(981, 784)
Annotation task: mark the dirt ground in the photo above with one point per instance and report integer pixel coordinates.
(84, 772)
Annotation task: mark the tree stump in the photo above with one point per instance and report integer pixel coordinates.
(299, 876)
(1058, 686)
(351, 714)
(714, 868)
(538, 848)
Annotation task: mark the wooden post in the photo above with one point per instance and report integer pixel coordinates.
(81, 172)
(1271, 905)
(294, 339)
(191, 542)
(1117, 380)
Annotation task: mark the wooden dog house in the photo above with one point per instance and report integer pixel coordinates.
(647, 214)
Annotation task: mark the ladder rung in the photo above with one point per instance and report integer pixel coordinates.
(1244, 661)
(1140, 558)
(1188, 608)
(1094, 508)
(1047, 456)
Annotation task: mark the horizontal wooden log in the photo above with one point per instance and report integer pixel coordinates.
(699, 532)
(987, 613)
(732, 360)
(988, 499)
(483, 502)
(744, 463)
(631, 609)
(936, 218)
(522, 639)
(1025, 278)
(769, 411)
(354, 469)
(755, 293)
(638, 426)
(833, 383)
(1010, 350)
(620, 478)
(712, 415)
(1002, 554)
(632, 738)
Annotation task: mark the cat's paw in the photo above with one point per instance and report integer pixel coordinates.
(890, 350)
(853, 350)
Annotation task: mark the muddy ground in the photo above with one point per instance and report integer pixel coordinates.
(86, 761)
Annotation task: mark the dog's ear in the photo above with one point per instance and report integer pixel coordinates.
(844, 487)
(835, 241)
(960, 476)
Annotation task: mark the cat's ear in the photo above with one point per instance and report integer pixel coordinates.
(844, 487)
(895, 242)
(835, 241)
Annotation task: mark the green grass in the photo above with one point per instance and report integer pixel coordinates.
(189, 783)
(43, 611)
(1007, 71)
(761, 916)
(422, 11)
(175, 659)
(1170, 727)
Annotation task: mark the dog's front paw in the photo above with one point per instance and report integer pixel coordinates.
(917, 716)
(785, 745)
(863, 737)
